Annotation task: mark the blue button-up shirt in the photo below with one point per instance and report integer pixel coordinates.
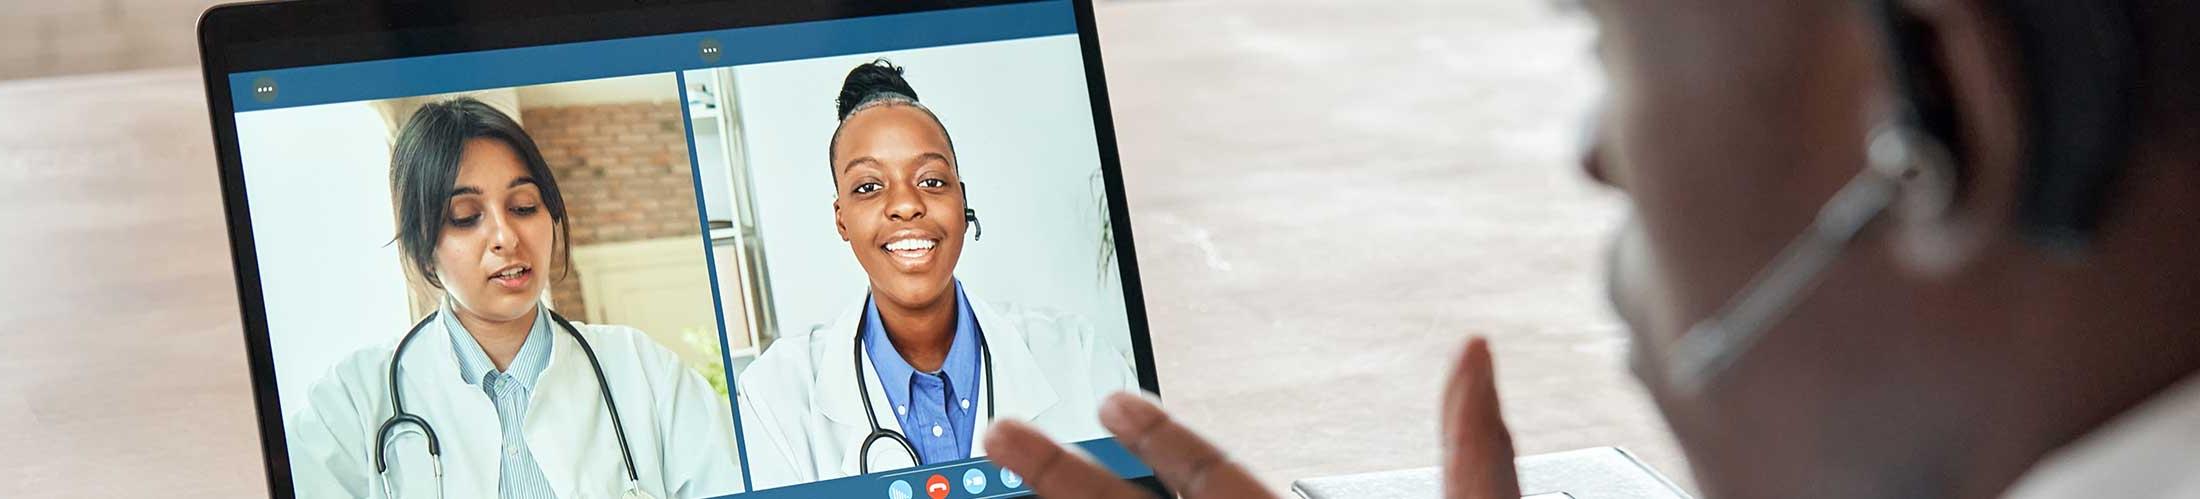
(518, 475)
(937, 410)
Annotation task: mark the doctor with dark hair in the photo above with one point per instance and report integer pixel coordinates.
(916, 370)
(493, 394)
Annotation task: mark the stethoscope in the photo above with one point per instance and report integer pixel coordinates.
(399, 417)
(863, 391)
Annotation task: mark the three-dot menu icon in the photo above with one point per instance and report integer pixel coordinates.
(263, 89)
(710, 50)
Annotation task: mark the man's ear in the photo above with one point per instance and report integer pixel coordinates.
(1956, 81)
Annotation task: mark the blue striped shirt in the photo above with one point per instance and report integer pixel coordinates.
(518, 475)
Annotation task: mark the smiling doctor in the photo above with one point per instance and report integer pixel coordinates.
(914, 372)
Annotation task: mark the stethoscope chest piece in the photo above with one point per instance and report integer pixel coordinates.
(634, 491)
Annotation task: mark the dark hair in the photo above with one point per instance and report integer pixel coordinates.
(424, 168)
(871, 82)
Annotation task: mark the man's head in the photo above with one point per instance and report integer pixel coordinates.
(900, 202)
(1945, 348)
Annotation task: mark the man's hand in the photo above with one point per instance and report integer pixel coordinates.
(1478, 454)
(1478, 450)
(1185, 462)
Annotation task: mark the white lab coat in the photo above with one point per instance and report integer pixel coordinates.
(803, 423)
(679, 429)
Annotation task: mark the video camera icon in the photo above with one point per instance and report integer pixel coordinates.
(974, 481)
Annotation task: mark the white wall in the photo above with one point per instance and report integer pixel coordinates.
(316, 179)
(1021, 119)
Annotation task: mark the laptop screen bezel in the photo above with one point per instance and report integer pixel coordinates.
(273, 35)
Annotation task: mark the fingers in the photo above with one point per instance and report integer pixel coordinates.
(1478, 450)
(1189, 464)
(1051, 471)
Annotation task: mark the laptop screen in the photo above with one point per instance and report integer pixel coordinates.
(804, 260)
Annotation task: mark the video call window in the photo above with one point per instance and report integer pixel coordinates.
(943, 217)
(460, 230)
(707, 281)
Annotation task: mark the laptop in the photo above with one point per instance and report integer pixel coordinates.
(672, 249)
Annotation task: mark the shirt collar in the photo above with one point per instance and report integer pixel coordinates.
(2145, 452)
(961, 365)
(473, 362)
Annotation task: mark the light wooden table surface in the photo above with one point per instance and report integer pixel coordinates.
(1328, 197)
(122, 364)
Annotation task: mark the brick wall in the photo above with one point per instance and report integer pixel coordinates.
(623, 169)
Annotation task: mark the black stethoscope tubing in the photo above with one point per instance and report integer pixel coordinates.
(399, 417)
(863, 391)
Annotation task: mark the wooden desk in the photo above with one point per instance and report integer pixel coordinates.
(1328, 196)
(122, 364)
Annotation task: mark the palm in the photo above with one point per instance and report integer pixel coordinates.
(1478, 453)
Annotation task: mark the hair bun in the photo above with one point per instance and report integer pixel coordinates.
(870, 81)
